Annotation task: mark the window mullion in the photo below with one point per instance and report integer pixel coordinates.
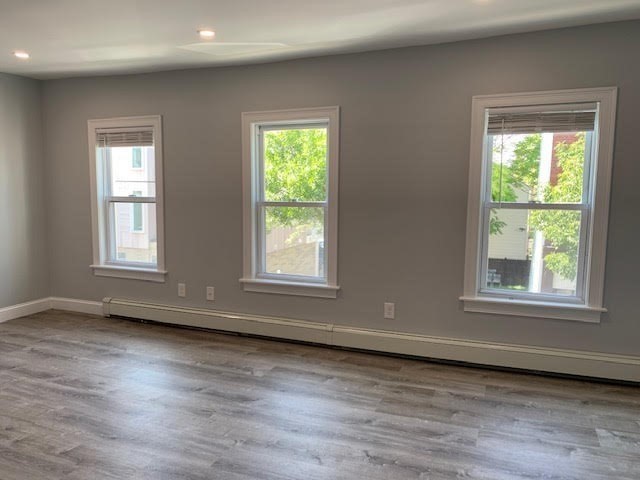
(537, 206)
(294, 204)
(131, 199)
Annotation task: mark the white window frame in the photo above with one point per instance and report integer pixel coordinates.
(252, 280)
(102, 265)
(589, 307)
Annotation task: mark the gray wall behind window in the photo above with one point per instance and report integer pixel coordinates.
(403, 178)
(23, 247)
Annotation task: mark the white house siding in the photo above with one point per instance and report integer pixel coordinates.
(513, 242)
(293, 252)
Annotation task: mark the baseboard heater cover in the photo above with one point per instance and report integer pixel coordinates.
(572, 362)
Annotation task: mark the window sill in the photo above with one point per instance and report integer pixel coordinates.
(319, 290)
(133, 273)
(521, 308)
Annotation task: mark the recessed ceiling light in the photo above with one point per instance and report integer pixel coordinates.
(21, 55)
(206, 33)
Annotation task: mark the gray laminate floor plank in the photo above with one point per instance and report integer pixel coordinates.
(84, 397)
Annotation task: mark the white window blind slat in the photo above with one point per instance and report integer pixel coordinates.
(535, 122)
(125, 138)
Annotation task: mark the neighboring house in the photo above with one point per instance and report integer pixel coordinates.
(513, 243)
(133, 174)
(295, 251)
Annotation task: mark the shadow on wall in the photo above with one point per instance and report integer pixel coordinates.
(21, 208)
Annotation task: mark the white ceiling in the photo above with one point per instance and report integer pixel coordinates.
(94, 37)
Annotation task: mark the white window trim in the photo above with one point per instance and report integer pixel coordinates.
(592, 308)
(250, 281)
(133, 273)
(101, 266)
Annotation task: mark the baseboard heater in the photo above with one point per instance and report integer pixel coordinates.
(571, 362)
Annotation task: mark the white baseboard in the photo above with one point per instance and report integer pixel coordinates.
(231, 322)
(75, 305)
(24, 309)
(574, 362)
(43, 304)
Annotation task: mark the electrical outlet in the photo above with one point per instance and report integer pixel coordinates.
(211, 294)
(182, 289)
(389, 310)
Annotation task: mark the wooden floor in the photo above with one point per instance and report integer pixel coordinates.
(90, 398)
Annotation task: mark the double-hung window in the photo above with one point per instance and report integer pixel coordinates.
(538, 203)
(290, 175)
(126, 190)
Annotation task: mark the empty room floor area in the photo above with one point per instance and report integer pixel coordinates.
(85, 397)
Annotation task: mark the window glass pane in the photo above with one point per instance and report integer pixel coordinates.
(295, 165)
(538, 167)
(533, 251)
(126, 178)
(294, 241)
(134, 232)
(137, 217)
(136, 160)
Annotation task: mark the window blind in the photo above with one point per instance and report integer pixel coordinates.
(533, 122)
(125, 138)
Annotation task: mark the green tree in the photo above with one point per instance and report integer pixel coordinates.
(526, 164)
(295, 169)
(502, 189)
(561, 228)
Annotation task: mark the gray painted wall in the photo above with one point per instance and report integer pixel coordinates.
(23, 246)
(403, 178)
